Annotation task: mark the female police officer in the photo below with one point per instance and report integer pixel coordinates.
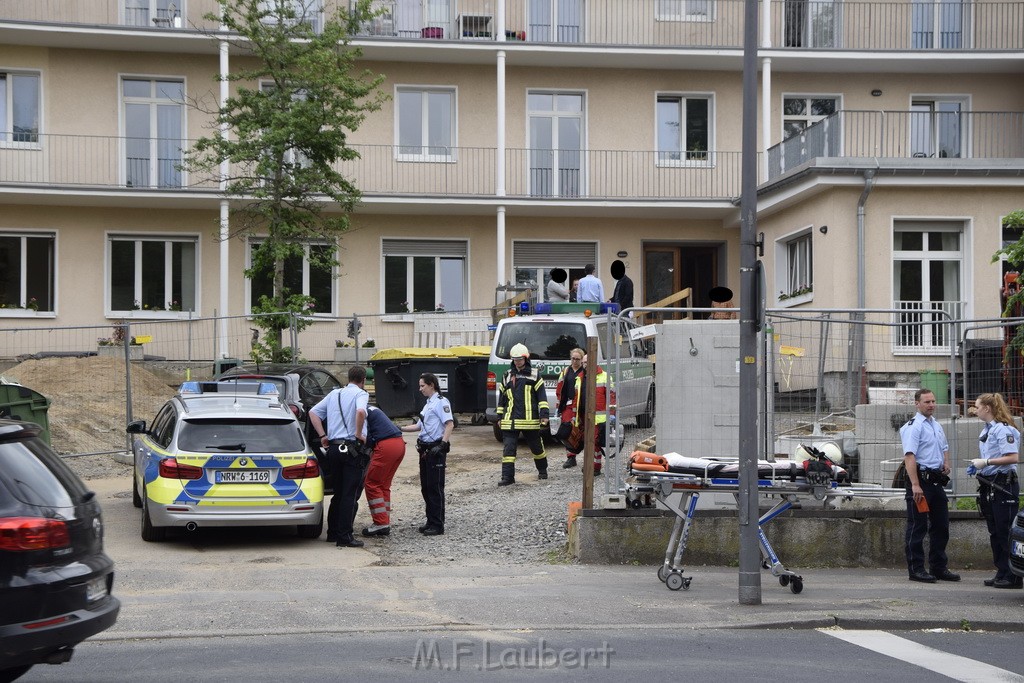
(433, 445)
(998, 488)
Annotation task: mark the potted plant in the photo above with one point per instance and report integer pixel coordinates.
(114, 344)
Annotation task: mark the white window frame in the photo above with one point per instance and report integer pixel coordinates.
(540, 257)
(137, 239)
(931, 342)
(663, 10)
(7, 109)
(411, 249)
(790, 276)
(807, 118)
(933, 116)
(332, 313)
(159, 13)
(20, 311)
(685, 160)
(311, 11)
(424, 155)
(151, 101)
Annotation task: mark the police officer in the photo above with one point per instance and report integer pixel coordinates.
(435, 427)
(522, 407)
(926, 458)
(998, 488)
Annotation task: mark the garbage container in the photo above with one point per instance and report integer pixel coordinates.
(21, 403)
(396, 378)
(471, 374)
(938, 382)
(983, 367)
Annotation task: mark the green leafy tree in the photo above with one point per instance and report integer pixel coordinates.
(298, 94)
(1014, 254)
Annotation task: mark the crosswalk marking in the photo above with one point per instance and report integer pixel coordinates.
(953, 666)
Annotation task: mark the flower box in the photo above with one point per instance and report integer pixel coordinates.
(135, 351)
(347, 354)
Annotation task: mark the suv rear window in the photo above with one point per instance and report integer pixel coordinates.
(217, 435)
(546, 340)
(37, 476)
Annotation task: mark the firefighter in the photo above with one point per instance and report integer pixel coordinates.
(522, 407)
(601, 411)
(566, 401)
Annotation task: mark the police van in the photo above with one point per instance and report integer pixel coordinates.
(551, 331)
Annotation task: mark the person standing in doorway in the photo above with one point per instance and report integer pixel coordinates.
(435, 426)
(623, 292)
(590, 288)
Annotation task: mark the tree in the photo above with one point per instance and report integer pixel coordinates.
(297, 98)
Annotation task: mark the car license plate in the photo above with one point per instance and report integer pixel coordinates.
(1018, 548)
(260, 476)
(96, 589)
(551, 384)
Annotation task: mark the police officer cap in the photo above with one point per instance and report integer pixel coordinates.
(520, 350)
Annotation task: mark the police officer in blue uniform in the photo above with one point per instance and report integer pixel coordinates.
(926, 458)
(435, 427)
(998, 488)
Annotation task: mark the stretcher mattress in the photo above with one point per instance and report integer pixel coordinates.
(710, 468)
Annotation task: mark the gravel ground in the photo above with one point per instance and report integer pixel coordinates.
(519, 524)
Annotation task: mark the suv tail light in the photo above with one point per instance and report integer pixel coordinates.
(492, 381)
(309, 470)
(33, 533)
(295, 410)
(170, 469)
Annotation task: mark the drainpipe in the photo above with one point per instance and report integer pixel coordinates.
(858, 360)
(869, 181)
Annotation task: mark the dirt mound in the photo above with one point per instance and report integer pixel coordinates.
(87, 399)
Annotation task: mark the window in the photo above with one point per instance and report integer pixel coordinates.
(291, 155)
(300, 277)
(292, 12)
(152, 12)
(795, 267)
(534, 261)
(27, 270)
(555, 133)
(684, 128)
(19, 107)
(940, 24)
(426, 123)
(152, 273)
(811, 23)
(927, 283)
(154, 120)
(683, 10)
(424, 275)
(937, 127)
(555, 21)
(799, 112)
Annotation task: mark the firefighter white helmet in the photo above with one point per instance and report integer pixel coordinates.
(520, 351)
(829, 448)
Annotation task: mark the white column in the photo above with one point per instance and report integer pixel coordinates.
(499, 162)
(222, 341)
(766, 113)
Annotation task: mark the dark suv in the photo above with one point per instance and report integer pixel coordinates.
(55, 579)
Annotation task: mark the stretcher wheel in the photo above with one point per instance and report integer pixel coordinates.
(675, 581)
(797, 585)
(784, 580)
(637, 503)
(663, 573)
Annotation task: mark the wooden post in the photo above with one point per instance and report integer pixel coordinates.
(588, 424)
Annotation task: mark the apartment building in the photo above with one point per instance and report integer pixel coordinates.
(523, 135)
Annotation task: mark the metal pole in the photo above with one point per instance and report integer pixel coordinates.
(750, 552)
(127, 329)
(590, 387)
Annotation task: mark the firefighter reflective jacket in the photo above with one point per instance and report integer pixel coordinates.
(523, 399)
(605, 386)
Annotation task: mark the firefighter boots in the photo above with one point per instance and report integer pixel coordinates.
(508, 474)
(542, 468)
(569, 463)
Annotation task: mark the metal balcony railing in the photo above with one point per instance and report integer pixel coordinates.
(85, 162)
(923, 327)
(925, 134)
(904, 25)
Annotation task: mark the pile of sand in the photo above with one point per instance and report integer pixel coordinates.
(87, 399)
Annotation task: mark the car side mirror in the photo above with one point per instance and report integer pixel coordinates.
(136, 427)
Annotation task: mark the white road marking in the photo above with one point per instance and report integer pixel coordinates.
(954, 666)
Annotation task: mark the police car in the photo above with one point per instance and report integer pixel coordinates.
(225, 455)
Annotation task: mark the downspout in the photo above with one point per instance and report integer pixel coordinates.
(869, 181)
(858, 359)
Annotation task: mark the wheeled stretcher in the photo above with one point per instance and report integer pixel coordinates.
(676, 482)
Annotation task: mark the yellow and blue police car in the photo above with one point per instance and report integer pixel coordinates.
(225, 454)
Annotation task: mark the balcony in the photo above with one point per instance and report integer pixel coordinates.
(794, 25)
(83, 163)
(928, 134)
(926, 327)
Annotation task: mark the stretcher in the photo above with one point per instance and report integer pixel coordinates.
(676, 482)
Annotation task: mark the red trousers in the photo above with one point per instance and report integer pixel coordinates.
(387, 456)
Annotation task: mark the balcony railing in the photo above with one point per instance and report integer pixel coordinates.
(906, 25)
(86, 162)
(903, 134)
(923, 327)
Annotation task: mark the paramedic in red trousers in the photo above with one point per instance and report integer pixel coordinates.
(998, 488)
(566, 406)
(601, 411)
(344, 411)
(385, 438)
(435, 426)
(926, 458)
(522, 407)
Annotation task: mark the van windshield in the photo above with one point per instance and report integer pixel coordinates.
(545, 340)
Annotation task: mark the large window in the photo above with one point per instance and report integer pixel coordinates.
(683, 10)
(534, 261)
(153, 12)
(684, 128)
(940, 24)
(27, 270)
(927, 282)
(19, 107)
(937, 127)
(293, 11)
(795, 267)
(555, 21)
(300, 277)
(154, 122)
(152, 273)
(424, 275)
(426, 123)
(812, 23)
(800, 111)
(556, 134)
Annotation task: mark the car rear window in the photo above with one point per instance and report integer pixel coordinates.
(37, 476)
(545, 340)
(219, 435)
(279, 382)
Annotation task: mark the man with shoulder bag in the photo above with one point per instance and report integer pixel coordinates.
(344, 443)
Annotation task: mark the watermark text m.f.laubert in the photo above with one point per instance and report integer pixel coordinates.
(483, 655)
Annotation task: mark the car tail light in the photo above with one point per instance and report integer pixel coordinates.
(309, 470)
(171, 469)
(295, 410)
(33, 533)
(492, 381)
